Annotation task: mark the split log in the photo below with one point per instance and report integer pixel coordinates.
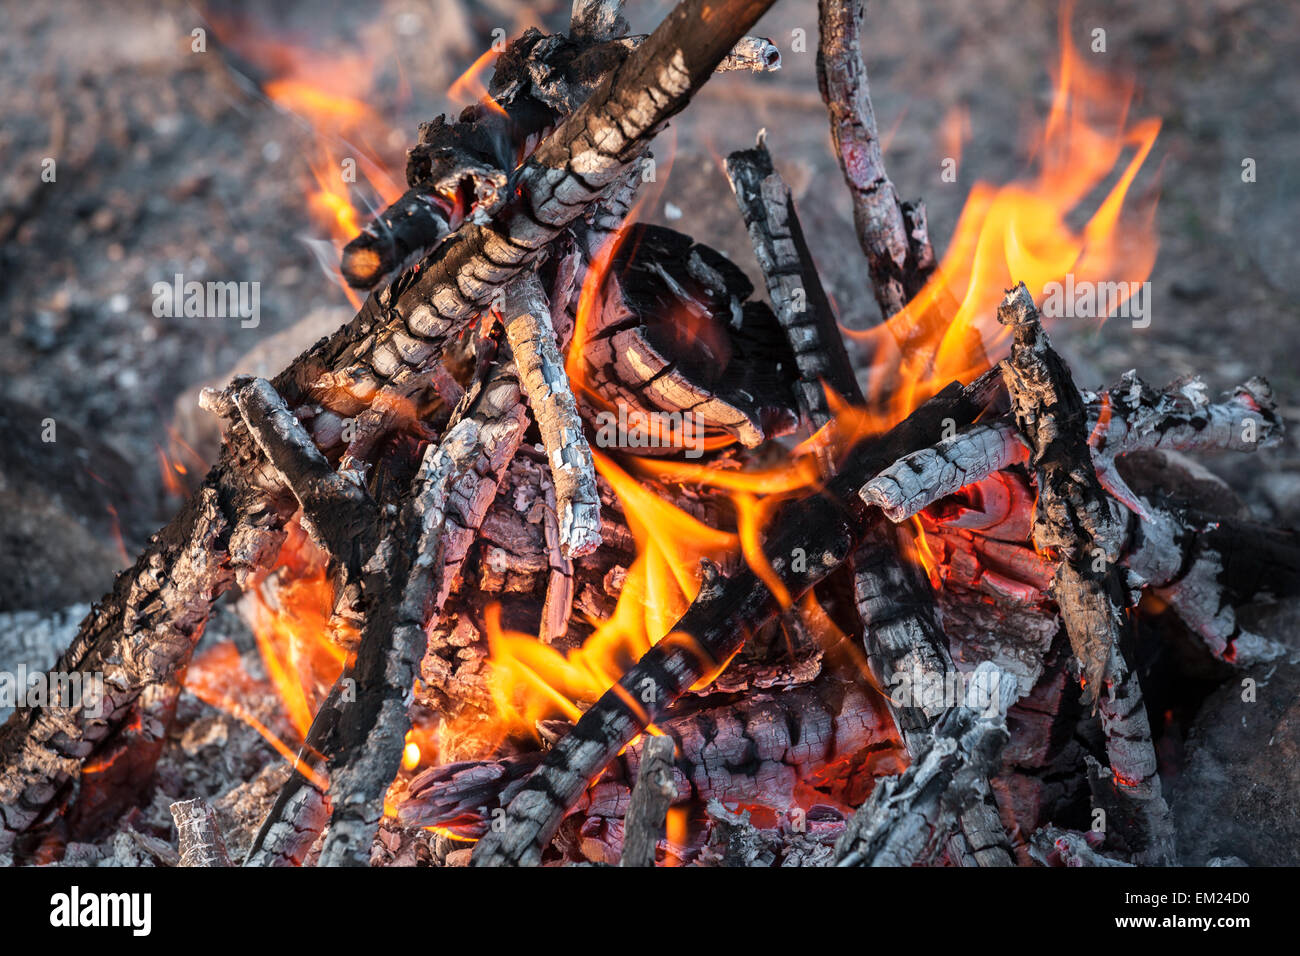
(907, 818)
(653, 794)
(200, 838)
(527, 320)
(814, 536)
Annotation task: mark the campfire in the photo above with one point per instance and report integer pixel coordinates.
(578, 544)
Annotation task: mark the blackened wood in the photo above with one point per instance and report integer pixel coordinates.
(410, 225)
(597, 19)
(898, 253)
(1129, 417)
(201, 843)
(812, 538)
(758, 749)
(907, 818)
(793, 283)
(1073, 517)
(140, 636)
(653, 794)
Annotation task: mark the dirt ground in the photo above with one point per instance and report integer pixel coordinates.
(173, 161)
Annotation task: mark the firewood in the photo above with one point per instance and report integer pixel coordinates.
(677, 333)
(201, 843)
(527, 320)
(793, 284)
(815, 535)
(755, 750)
(365, 717)
(1075, 519)
(1130, 417)
(892, 236)
(1053, 846)
(653, 794)
(906, 818)
(161, 603)
(411, 225)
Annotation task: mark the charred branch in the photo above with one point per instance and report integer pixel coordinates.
(814, 536)
(653, 794)
(200, 837)
(907, 818)
(793, 283)
(527, 319)
(892, 237)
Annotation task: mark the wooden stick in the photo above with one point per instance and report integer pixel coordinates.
(527, 320)
(201, 843)
(793, 284)
(1129, 417)
(892, 237)
(653, 794)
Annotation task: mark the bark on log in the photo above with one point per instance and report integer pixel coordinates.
(1073, 518)
(653, 794)
(814, 536)
(140, 638)
(892, 235)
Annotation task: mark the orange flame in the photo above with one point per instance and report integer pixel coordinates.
(1022, 232)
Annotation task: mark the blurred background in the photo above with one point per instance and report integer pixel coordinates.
(216, 155)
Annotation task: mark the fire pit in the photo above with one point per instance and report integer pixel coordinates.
(580, 544)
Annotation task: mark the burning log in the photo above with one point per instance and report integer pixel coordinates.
(676, 333)
(760, 749)
(1131, 417)
(200, 837)
(1075, 518)
(816, 536)
(653, 794)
